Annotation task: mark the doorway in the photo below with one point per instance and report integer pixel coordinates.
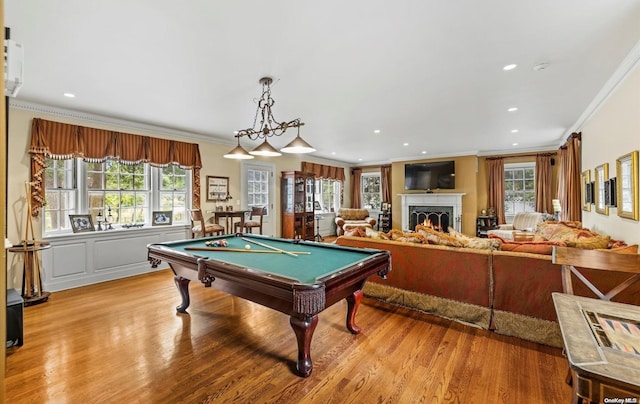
(258, 189)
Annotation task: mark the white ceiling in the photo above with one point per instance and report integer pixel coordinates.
(425, 72)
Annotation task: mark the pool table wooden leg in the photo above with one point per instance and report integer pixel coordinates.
(183, 288)
(304, 328)
(353, 302)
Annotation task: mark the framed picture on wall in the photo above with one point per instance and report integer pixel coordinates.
(586, 190)
(627, 185)
(601, 175)
(217, 188)
(610, 192)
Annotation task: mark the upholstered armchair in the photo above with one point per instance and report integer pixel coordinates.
(526, 221)
(349, 218)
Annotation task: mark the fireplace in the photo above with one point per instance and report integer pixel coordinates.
(443, 209)
(438, 217)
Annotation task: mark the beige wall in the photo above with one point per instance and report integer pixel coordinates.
(613, 131)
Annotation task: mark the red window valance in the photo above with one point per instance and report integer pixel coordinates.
(323, 171)
(64, 141)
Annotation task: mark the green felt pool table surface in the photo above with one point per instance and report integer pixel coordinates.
(304, 268)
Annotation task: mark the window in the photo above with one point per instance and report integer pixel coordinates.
(258, 188)
(371, 191)
(519, 189)
(174, 192)
(121, 193)
(118, 191)
(328, 194)
(60, 193)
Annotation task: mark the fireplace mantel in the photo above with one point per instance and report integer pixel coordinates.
(434, 199)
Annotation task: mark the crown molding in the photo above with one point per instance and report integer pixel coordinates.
(121, 123)
(628, 65)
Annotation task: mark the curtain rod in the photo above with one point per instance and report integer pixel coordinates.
(521, 155)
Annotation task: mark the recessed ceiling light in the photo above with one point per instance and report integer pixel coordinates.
(513, 109)
(376, 131)
(333, 153)
(424, 152)
(236, 132)
(514, 144)
(405, 144)
(69, 95)
(359, 159)
(509, 67)
(514, 130)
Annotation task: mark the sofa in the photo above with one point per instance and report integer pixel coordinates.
(508, 292)
(350, 218)
(522, 222)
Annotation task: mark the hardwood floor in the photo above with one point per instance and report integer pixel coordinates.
(122, 341)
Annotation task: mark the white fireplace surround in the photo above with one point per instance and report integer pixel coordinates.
(449, 199)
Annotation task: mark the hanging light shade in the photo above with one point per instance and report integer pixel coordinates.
(298, 145)
(238, 153)
(267, 126)
(265, 149)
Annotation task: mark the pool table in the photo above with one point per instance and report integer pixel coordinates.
(298, 278)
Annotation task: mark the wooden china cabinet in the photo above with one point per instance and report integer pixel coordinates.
(298, 197)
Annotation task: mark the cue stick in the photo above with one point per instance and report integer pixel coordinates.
(270, 247)
(237, 250)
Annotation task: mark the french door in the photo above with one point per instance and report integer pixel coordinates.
(257, 181)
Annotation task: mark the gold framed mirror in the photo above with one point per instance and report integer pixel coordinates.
(627, 185)
(601, 174)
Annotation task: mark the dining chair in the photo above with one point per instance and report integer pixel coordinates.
(255, 220)
(198, 225)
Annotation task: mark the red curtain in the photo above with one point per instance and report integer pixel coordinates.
(356, 201)
(543, 183)
(495, 200)
(569, 191)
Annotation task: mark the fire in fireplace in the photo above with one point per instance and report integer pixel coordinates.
(436, 217)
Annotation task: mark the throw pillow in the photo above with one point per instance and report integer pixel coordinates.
(355, 232)
(547, 230)
(397, 235)
(378, 235)
(437, 237)
(475, 242)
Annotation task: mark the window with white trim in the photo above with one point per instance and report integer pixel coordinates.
(371, 191)
(519, 189)
(328, 194)
(121, 193)
(258, 188)
(60, 194)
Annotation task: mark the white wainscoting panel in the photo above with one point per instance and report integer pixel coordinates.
(85, 258)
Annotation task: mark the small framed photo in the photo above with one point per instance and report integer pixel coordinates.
(81, 223)
(161, 218)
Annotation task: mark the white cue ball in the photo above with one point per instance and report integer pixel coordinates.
(247, 247)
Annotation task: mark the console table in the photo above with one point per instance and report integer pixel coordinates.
(599, 339)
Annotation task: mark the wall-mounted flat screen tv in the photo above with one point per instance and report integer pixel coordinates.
(428, 176)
